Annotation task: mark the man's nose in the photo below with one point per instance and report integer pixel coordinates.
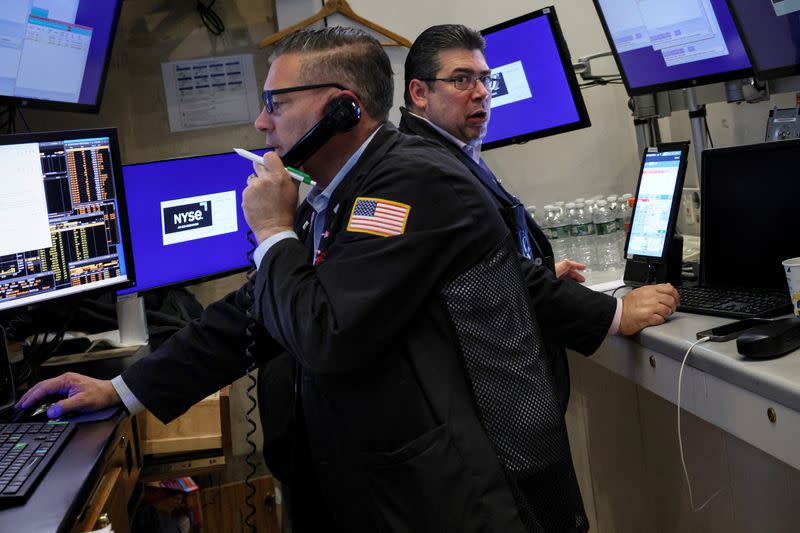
(263, 120)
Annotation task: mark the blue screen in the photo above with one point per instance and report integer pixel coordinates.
(660, 42)
(185, 218)
(534, 93)
(772, 32)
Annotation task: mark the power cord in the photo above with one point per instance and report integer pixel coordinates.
(680, 438)
(210, 19)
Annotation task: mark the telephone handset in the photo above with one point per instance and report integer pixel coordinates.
(341, 115)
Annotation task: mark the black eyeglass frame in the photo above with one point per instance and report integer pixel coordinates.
(493, 78)
(266, 95)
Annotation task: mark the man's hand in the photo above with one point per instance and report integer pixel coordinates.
(569, 269)
(270, 199)
(647, 306)
(85, 394)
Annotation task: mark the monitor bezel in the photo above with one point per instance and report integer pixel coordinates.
(707, 261)
(766, 74)
(122, 211)
(566, 62)
(21, 102)
(670, 85)
(132, 291)
(683, 147)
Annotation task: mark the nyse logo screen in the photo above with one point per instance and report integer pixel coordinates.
(198, 217)
(186, 217)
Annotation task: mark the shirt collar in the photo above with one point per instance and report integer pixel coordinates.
(474, 151)
(318, 199)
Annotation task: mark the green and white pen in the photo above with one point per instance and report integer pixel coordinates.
(299, 175)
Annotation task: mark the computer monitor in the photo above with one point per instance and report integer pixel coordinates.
(186, 222)
(749, 209)
(663, 45)
(54, 53)
(538, 94)
(648, 246)
(771, 33)
(63, 222)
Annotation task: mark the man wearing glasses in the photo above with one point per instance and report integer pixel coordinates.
(396, 295)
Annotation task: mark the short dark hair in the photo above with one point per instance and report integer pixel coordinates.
(422, 61)
(348, 56)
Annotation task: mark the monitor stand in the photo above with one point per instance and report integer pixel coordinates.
(132, 322)
(643, 272)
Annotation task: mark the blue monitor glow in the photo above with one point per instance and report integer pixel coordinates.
(771, 32)
(538, 94)
(186, 221)
(663, 45)
(63, 222)
(54, 53)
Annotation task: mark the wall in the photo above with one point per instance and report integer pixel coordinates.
(600, 159)
(151, 32)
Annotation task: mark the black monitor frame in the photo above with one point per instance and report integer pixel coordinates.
(767, 74)
(122, 211)
(188, 281)
(683, 147)
(566, 63)
(667, 86)
(55, 105)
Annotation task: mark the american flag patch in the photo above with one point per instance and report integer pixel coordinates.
(378, 217)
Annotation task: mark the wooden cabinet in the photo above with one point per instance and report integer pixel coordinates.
(115, 495)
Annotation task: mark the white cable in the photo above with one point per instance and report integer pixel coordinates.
(680, 439)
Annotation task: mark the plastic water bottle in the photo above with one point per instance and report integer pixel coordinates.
(606, 240)
(559, 233)
(613, 207)
(583, 236)
(623, 228)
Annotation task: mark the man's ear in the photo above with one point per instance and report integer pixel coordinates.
(418, 90)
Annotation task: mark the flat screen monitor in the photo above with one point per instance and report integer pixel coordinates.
(658, 196)
(186, 221)
(538, 93)
(771, 33)
(663, 45)
(749, 214)
(54, 53)
(63, 222)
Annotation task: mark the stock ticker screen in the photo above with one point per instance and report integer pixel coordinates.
(60, 229)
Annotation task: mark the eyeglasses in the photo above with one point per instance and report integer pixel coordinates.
(267, 95)
(467, 82)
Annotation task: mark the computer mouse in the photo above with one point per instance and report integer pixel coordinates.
(36, 412)
(772, 339)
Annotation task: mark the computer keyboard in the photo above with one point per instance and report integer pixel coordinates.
(735, 304)
(26, 452)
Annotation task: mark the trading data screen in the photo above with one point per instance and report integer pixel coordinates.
(654, 204)
(60, 231)
(660, 42)
(55, 50)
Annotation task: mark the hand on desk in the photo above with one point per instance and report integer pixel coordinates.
(83, 393)
(569, 269)
(650, 305)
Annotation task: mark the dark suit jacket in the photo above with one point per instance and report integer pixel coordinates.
(390, 418)
(560, 305)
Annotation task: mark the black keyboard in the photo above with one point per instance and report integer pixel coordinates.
(26, 452)
(735, 304)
